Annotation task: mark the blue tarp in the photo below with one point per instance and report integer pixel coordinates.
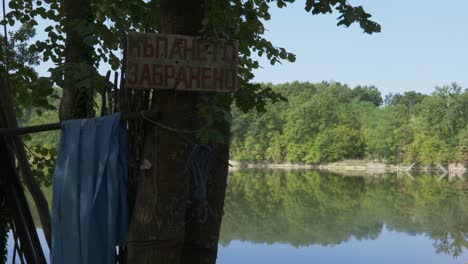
(89, 206)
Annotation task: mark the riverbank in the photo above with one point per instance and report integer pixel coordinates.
(362, 166)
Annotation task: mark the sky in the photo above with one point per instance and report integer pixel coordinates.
(423, 43)
(389, 247)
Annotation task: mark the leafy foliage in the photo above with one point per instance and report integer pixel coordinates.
(42, 147)
(243, 20)
(105, 33)
(29, 90)
(33, 95)
(43, 161)
(327, 122)
(233, 19)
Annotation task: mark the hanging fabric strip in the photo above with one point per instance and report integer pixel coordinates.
(89, 206)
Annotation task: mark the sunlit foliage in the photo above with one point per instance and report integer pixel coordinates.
(328, 122)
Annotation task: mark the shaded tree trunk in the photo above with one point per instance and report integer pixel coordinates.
(201, 240)
(8, 119)
(3, 230)
(18, 208)
(77, 99)
(160, 229)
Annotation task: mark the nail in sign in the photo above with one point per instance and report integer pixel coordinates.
(176, 62)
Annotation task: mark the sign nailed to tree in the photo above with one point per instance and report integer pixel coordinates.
(176, 62)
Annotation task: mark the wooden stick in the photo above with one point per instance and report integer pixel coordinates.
(116, 93)
(26, 172)
(105, 94)
(57, 126)
(109, 92)
(19, 209)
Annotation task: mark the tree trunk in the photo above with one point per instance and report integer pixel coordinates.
(18, 208)
(3, 229)
(158, 229)
(8, 119)
(201, 240)
(77, 99)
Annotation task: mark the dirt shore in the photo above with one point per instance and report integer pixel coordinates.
(363, 166)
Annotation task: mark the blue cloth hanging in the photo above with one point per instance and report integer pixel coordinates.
(89, 206)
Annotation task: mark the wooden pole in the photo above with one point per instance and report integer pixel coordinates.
(19, 209)
(157, 226)
(8, 112)
(161, 230)
(56, 126)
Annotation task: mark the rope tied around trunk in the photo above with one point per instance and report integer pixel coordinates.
(200, 162)
(199, 166)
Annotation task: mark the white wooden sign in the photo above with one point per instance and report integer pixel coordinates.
(176, 62)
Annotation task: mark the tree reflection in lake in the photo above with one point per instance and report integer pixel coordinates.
(303, 208)
(316, 209)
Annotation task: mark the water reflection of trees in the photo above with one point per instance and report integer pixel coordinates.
(305, 208)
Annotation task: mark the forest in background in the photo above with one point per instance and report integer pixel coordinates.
(329, 121)
(324, 122)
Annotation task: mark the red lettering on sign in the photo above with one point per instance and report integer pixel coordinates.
(132, 73)
(194, 76)
(145, 75)
(161, 46)
(190, 49)
(133, 46)
(231, 80)
(169, 72)
(205, 77)
(158, 76)
(218, 78)
(160, 61)
(148, 48)
(176, 49)
(229, 52)
(204, 47)
(181, 77)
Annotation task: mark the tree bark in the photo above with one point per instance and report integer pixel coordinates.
(18, 208)
(4, 219)
(3, 233)
(157, 227)
(158, 231)
(9, 118)
(78, 95)
(201, 239)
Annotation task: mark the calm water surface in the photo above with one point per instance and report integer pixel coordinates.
(315, 217)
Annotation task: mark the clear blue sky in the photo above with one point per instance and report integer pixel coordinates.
(423, 43)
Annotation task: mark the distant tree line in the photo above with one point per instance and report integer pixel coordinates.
(327, 122)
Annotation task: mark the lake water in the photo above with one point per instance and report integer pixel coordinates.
(315, 217)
